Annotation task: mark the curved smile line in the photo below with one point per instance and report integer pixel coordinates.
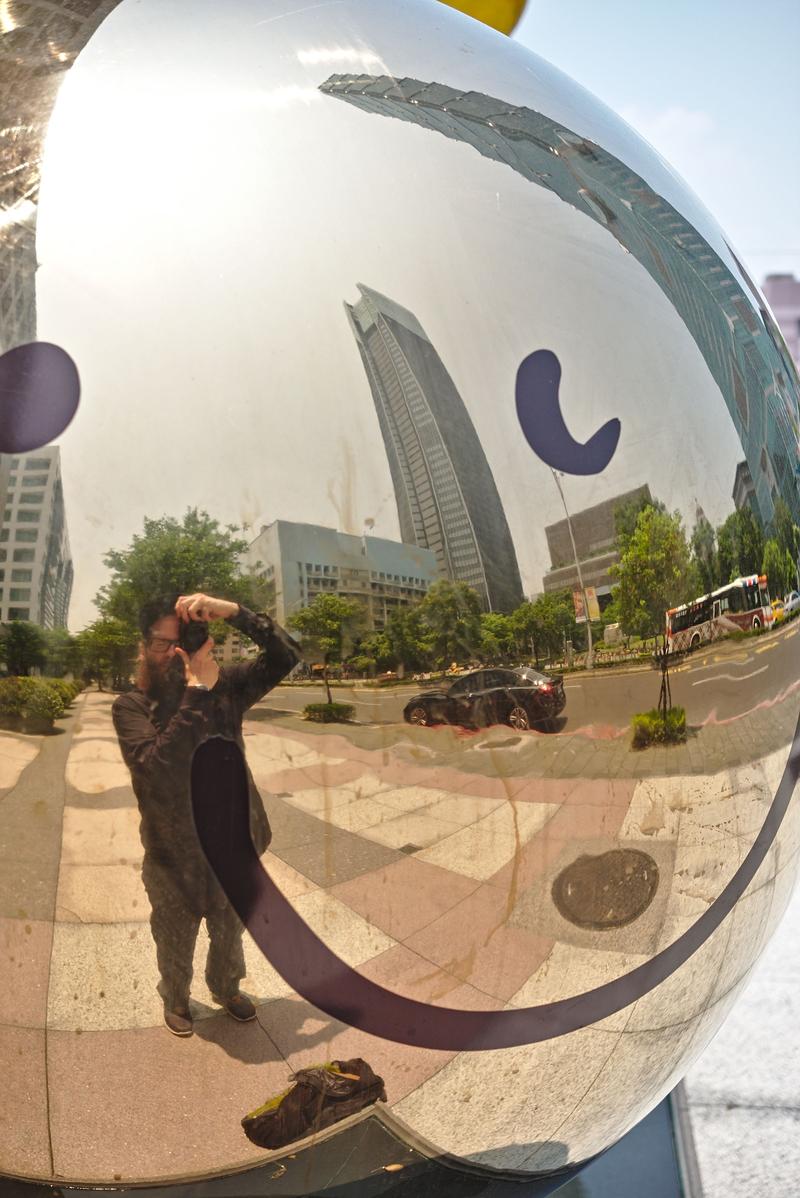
(319, 976)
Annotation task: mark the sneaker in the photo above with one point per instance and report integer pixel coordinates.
(239, 1006)
(179, 1022)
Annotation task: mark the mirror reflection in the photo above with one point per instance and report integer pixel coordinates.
(435, 452)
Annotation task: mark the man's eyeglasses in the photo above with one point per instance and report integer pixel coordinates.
(162, 644)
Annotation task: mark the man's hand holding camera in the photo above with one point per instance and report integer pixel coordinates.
(196, 651)
(204, 607)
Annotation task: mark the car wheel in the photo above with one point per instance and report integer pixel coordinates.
(756, 622)
(695, 642)
(518, 718)
(419, 715)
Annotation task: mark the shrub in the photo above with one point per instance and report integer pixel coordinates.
(42, 705)
(10, 697)
(650, 727)
(329, 713)
(33, 699)
(66, 691)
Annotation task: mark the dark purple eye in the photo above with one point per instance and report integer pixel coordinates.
(539, 413)
(39, 393)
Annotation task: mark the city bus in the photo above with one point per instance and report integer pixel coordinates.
(738, 606)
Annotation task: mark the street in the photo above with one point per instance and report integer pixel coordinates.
(720, 682)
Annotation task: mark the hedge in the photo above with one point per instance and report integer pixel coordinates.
(329, 713)
(36, 701)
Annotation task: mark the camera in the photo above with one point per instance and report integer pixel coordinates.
(193, 635)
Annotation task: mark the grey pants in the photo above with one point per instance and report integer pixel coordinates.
(175, 920)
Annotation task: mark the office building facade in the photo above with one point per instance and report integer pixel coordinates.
(35, 561)
(293, 563)
(447, 500)
(595, 533)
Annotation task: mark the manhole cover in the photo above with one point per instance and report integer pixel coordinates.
(607, 891)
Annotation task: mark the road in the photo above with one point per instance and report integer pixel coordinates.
(722, 681)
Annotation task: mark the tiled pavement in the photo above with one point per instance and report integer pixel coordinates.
(423, 857)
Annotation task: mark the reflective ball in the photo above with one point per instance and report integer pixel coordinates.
(390, 331)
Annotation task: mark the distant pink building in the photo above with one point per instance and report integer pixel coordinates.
(783, 296)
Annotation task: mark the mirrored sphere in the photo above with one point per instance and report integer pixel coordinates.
(388, 330)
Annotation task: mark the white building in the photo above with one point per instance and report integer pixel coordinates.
(296, 562)
(35, 561)
(782, 293)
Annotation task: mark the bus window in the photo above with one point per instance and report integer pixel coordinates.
(736, 599)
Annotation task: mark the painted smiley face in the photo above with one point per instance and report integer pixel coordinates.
(539, 297)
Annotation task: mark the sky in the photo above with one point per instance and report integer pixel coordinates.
(714, 85)
(205, 214)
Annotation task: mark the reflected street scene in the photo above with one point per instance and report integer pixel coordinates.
(399, 654)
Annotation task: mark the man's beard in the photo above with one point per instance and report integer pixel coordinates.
(164, 684)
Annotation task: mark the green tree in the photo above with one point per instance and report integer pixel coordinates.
(451, 611)
(22, 647)
(325, 627)
(527, 630)
(371, 651)
(108, 649)
(779, 567)
(409, 638)
(497, 636)
(704, 554)
(192, 554)
(543, 625)
(62, 653)
(654, 573)
(627, 514)
(787, 534)
(740, 546)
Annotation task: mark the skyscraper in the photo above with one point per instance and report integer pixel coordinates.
(446, 496)
(39, 41)
(37, 569)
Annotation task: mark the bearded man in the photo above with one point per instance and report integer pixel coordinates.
(180, 700)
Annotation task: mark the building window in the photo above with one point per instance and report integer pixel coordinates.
(3, 534)
(19, 613)
(35, 464)
(32, 497)
(34, 480)
(22, 555)
(20, 575)
(6, 515)
(29, 517)
(15, 463)
(20, 594)
(22, 534)
(12, 482)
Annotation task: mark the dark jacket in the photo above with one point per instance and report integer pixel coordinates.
(158, 748)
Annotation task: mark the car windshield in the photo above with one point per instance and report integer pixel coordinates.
(533, 676)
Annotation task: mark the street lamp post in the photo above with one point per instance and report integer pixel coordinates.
(590, 648)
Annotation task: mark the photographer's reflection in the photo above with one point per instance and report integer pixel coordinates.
(181, 698)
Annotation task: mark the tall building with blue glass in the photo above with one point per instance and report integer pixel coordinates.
(447, 500)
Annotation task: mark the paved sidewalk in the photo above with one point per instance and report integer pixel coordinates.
(744, 1092)
(424, 857)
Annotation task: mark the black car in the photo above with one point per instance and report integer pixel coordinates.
(520, 698)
